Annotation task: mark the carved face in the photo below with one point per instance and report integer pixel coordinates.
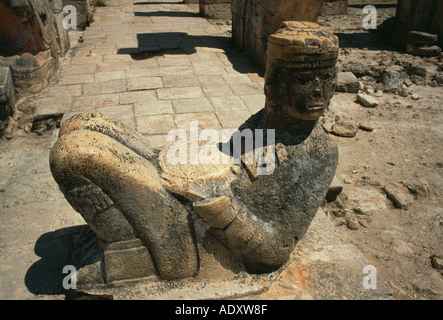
(302, 95)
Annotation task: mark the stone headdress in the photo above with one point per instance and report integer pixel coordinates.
(302, 45)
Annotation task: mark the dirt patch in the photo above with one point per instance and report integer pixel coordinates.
(391, 170)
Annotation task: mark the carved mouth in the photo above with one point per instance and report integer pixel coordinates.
(316, 107)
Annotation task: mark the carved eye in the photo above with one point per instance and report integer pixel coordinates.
(326, 76)
(305, 79)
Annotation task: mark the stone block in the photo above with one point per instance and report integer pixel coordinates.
(127, 260)
(421, 38)
(216, 9)
(367, 101)
(347, 82)
(399, 195)
(423, 51)
(334, 190)
(391, 81)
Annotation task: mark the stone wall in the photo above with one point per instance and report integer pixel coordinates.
(335, 7)
(254, 20)
(32, 39)
(216, 9)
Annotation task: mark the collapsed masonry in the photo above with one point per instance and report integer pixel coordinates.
(32, 39)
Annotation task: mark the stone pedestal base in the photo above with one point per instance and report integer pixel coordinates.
(126, 260)
(322, 266)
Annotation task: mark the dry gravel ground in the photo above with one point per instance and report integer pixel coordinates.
(404, 148)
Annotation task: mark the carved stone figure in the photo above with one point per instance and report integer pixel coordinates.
(147, 211)
(32, 39)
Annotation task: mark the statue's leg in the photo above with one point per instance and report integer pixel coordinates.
(121, 195)
(106, 125)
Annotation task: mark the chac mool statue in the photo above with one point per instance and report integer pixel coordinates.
(133, 197)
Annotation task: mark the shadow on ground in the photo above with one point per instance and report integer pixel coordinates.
(181, 43)
(154, 2)
(57, 249)
(182, 14)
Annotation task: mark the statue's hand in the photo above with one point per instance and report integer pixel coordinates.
(217, 212)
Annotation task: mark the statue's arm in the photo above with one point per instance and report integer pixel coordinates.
(262, 246)
(295, 191)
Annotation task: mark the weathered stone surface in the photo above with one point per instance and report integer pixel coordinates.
(365, 199)
(321, 250)
(32, 36)
(366, 127)
(319, 256)
(254, 20)
(347, 82)
(399, 194)
(391, 81)
(23, 31)
(357, 68)
(345, 128)
(423, 51)
(84, 11)
(416, 15)
(146, 206)
(216, 9)
(7, 96)
(437, 263)
(421, 38)
(335, 7)
(334, 190)
(367, 101)
(430, 284)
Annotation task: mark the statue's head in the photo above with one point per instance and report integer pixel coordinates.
(300, 75)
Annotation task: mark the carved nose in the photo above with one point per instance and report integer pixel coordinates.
(317, 91)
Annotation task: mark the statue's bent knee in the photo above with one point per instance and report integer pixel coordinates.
(120, 195)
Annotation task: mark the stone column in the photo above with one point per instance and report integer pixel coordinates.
(254, 20)
(416, 15)
(216, 9)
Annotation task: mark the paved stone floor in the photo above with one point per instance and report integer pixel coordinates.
(154, 66)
